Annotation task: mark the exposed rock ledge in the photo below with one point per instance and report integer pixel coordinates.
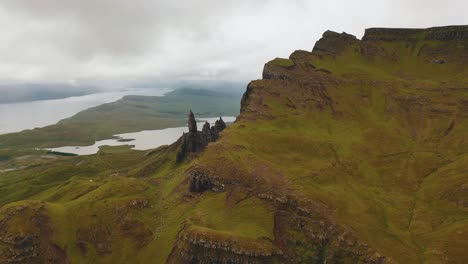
(197, 244)
(435, 33)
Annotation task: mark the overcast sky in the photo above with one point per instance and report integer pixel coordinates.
(128, 41)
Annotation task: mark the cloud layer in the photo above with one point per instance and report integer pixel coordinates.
(125, 42)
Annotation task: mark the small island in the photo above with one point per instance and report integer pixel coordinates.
(125, 139)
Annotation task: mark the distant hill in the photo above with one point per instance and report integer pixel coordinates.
(213, 85)
(14, 93)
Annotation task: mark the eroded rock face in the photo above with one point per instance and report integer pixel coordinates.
(206, 128)
(191, 142)
(448, 33)
(199, 181)
(391, 34)
(333, 42)
(436, 33)
(204, 245)
(98, 235)
(220, 125)
(196, 141)
(33, 245)
(192, 123)
(321, 241)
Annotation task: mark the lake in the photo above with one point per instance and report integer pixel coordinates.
(16, 117)
(143, 140)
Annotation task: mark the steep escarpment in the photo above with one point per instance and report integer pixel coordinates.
(358, 146)
(449, 33)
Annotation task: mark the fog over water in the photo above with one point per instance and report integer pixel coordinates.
(28, 115)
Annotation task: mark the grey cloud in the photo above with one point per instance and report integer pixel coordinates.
(129, 41)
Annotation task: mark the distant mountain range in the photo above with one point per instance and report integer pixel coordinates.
(14, 93)
(27, 92)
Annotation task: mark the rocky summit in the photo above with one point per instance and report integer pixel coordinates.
(353, 152)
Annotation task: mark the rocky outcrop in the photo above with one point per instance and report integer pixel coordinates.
(33, 244)
(220, 125)
(321, 241)
(334, 43)
(436, 33)
(278, 69)
(196, 141)
(197, 244)
(192, 123)
(245, 97)
(391, 34)
(199, 181)
(447, 33)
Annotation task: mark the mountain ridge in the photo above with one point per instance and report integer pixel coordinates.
(387, 114)
(455, 32)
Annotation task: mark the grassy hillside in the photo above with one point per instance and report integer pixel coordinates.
(115, 207)
(353, 153)
(371, 134)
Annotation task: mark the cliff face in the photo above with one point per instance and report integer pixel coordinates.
(360, 147)
(450, 33)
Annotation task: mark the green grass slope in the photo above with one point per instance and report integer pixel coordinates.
(371, 134)
(118, 206)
